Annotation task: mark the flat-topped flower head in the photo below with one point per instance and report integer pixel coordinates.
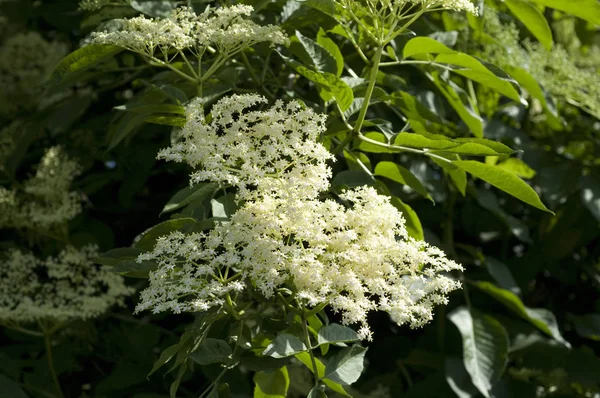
(239, 145)
(357, 259)
(62, 288)
(227, 28)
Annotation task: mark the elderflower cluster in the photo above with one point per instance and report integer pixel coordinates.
(353, 254)
(247, 148)
(62, 288)
(44, 200)
(26, 60)
(554, 69)
(227, 28)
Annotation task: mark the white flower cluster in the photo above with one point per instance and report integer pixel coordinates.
(356, 257)
(273, 149)
(26, 60)
(45, 199)
(226, 28)
(62, 288)
(399, 5)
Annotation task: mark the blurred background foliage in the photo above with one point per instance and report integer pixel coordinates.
(529, 314)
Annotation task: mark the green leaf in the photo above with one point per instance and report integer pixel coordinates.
(113, 256)
(188, 195)
(152, 108)
(174, 121)
(541, 318)
(256, 363)
(213, 351)
(346, 366)
(474, 69)
(485, 347)
(413, 224)
(459, 379)
(322, 60)
(424, 45)
(165, 356)
(305, 358)
(533, 19)
(504, 180)
(223, 207)
(125, 126)
(10, 389)
(502, 275)
(532, 86)
(133, 269)
(271, 384)
(316, 392)
(81, 59)
(401, 175)
(457, 176)
(335, 333)
(588, 326)
(374, 148)
(147, 239)
(333, 49)
(459, 101)
(284, 345)
(350, 179)
(588, 10)
(331, 84)
(154, 8)
(517, 167)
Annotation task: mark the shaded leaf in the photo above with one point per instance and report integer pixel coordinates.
(336, 333)
(213, 351)
(485, 347)
(188, 195)
(541, 318)
(346, 366)
(81, 59)
(284, 345)
(399, 174)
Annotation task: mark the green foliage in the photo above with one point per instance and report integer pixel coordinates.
(482, 130)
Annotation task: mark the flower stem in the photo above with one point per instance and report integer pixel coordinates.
(48, 345)
(370, 88)
(310, 351)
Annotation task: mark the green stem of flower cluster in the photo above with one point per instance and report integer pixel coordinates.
(48, 345)
(370, 88)
(310, 350)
